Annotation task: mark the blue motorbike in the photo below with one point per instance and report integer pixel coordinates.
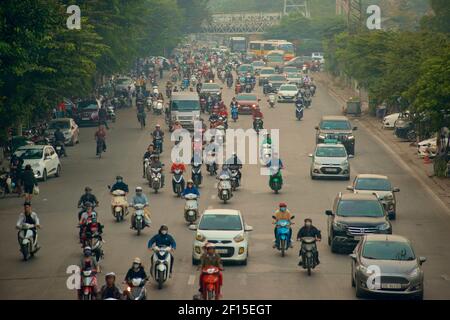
(282, 233)
(234, 113)
(299, 107)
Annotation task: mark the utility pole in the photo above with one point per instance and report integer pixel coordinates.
(297, 5)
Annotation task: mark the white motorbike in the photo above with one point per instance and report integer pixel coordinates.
(266, 153)
(119, 205)
(136, 289)
(154, 180)
(211, 164)
(160, 267)
(178, 180)
(272, 100)
(149, 103)
(139, 218)
(158, 107)
(224, 188)
(191, 208)
(28, 246)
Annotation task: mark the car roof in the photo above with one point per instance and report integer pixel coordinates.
(332, 145)
(371, 176)
(184, 96)
(358, 196)
(33, 146)
(230, 212)
(386, 237)
(60, 119)
(340, 118)
(267, 68)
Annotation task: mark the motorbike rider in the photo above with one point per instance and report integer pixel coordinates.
(155, 164)
(110, 290)
(136, 271)
(30, 217)
(120, 185)
(267, 139)
(163, 238)
(190, 188)
(60, 140)
(210, 258)
(257, 114)
(88, 219)
(225, 171)
(148, 155)
(308, 230)
(282, 214)
(158, 134)
(177, 165)
(234, 163)
(86, 197)
(141, 111)
(100, 138)
(140, 198)
(88, 262)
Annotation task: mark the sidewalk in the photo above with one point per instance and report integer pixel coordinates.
(404, 150)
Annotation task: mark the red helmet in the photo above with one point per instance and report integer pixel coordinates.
(282, 204)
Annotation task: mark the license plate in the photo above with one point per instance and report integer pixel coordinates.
(357, 238)
(391, 286)
(221, 251)
(331, 170)
(84, 119)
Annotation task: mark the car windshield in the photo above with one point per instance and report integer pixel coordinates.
(185, 105)
(258, 64)
(360, 208)
(267, 71)
(223, 222)
(290, 70)
(335, 125)
(88, 105)
(331, 152)
(277, 78)
(288, 88)
(123, 81)
(373, 184)
(245, 68)
(275, 58)
(246, 97)
(30, 154)
(210, 86)
(388, 250)
(59, 124)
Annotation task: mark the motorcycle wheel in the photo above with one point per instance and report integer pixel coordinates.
(210, 295)
(138, 231)
(25, 252)
(160, 279)
(283, 248)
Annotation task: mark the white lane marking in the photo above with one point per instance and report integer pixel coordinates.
(191, 280)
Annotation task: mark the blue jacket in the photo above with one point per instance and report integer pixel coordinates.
(188, 190)
(162, 240)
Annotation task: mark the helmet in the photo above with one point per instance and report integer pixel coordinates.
(119, 178)
(138, 189)
(158, 125)
(137, 260)
(87, 189)
(190, 181)
(88, 204)
(282, 204)
(110, 274)
(87, 250)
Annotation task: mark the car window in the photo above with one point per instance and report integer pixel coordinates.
(289, 88)
(30, 154)
(335, 125)
(331, 152)
(61, 124)
(388, 250)
(268, 71)
(373, 184)
(360, 208)
(221, 222)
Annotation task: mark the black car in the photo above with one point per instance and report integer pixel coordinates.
(87, 112)
(352, 217)
(338, 129)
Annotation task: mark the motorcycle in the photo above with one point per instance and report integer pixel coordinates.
(155, 179)
(211, 164)
(119, 205)
(100, 148)
(160, 267)
(266, 153)
(258, 125)
(28, 245)
(157, 109)
(191, 208)
(220, 133)
(299, 108)
(149, 103)
(141, 117)
(308, 249)
(234, 113)
(210, 283)
(224, 188)
(307, 99)
(136, 289)
(178, 181)
(59, 148)
(95, 242)
(203, 104)
(271, 100)
(197, 174)
(275, 182)
(235, 181)
(157, 142)
(283, 230)
(248, 88)
(7, 186)
(87, 284)
(229, 83)
(111, 113)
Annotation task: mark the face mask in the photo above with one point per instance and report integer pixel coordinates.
(119, 180)
(283, 209)
(135, 266)
(164, 232)
(308, 224)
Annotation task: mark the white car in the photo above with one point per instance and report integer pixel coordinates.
(318, 56)
(227, 230)
(287, 93)
(389, 120)
(67, 126)
(43, 160)
(428, 147)
(330, 160)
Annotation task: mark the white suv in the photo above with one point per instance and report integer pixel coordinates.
(226, 229)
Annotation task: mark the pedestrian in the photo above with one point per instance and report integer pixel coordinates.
(29, 182)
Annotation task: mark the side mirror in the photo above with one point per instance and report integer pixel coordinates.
(350, 188)
(355, 128)
(328, 212)
(274, 217)
(248, 228)
(109, 187)
(396, 190)
(310, 155)
(316, 127)
(353, 256)
(193, 227)
(422, 260)
(292, 217)
(351, 156)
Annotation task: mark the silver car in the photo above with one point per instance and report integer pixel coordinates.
(330, 161)
(387, 264)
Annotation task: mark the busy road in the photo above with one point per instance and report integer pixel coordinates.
(268, 275)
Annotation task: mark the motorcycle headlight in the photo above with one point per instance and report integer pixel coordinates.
(384, 227)
(200, 237)
(239, 238)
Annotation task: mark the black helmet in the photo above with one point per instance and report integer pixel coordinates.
(88, 189)
(163, 227)
(119, 178)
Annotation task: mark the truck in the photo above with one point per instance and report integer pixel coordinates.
(183, 107)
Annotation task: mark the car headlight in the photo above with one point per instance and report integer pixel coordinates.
(389, 197)
(239, 238)
(415, 272)
(321, 136)
(351, 137)
(200, 237)
(384, 227)
(339, 226)
(344, 163)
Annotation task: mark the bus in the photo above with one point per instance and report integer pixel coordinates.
(238, 44)
(262, 47)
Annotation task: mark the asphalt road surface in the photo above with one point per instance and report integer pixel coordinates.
(267, 275)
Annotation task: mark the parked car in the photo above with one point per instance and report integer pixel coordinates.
(121, 84)
(330, 161)
(87, 112)
(43, 160)
(379, 185)
(247, 102)
(67, 126)
(389, 120)
(352, 217)
(225, 228)
(399, 270)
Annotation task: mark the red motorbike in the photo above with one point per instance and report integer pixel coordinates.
(88, 283)
(211, 283)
